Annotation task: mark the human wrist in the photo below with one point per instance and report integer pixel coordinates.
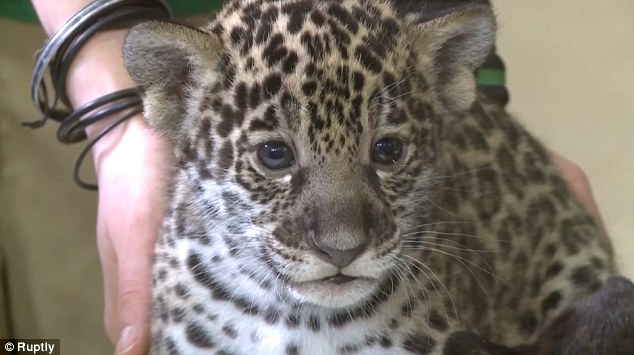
(129, 143)
(93, 94)
(98, 70)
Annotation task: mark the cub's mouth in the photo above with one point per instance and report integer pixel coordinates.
(337, 291)
(339, 279)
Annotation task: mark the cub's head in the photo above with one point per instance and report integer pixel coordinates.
(306, 132)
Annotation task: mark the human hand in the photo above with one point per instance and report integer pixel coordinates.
(132, 179)
(131, 164)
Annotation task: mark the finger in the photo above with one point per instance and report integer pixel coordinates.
(134, 297)
(577, 180)
(135, 250)
(110, 285)
(579, 184)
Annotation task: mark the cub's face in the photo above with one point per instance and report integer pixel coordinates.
(306, 138)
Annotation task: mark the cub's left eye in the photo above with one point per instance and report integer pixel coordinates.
(387, 151)
(276, 155)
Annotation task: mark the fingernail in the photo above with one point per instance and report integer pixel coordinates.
(127, 340)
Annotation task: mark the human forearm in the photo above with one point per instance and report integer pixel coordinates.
(53, 14)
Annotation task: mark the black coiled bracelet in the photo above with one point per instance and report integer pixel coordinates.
(57, 56)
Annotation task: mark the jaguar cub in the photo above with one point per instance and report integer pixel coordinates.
(341, 188)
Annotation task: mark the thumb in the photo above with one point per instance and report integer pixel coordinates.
(134, 303)
(130, 341)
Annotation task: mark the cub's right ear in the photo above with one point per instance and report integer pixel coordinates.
(165, 60)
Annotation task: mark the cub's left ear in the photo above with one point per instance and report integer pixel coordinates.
(454, 45)
(166, 59)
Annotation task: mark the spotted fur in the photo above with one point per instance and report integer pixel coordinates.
(472, 230)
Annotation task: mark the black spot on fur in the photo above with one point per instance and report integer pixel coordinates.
(408, 307)
(315, 119)
(313, 323)
(582, 275)
(550, 250)
(309, 88)
(270, 116)
(489, 202)
(181, 291)
(218, 29)
(367, 59)
(342, 38)
(437, 321)
(419, 344)
(476, 139)
(272, 85)
(198, 308)
(225, 158)
(250, 14)
(314, 45)
(597, 263)
(318, 18)
(345, 17)
(290, 63)
(385, 342)
(348, 349)
(551, 301)
(237, 34)
(391, 27)
(160, 308)
(177, 314)
(260, 125)
(554, 270)
(275, 51)
(463, 343)
(297, 12)
(364, 17)
(226, 125)
(240, 96)
(528, 323)
(298, 181)
(292, 349)
(292, 320)
(379, 44)
(198, 336)
(271, 316)
(228, 69)
(570, 231)
(255, 95)
(249, 65)
(396, 117)
(230, 331)
(419, 110)
(358, 80)
(171, 347)
(230, 117)
(264, 30)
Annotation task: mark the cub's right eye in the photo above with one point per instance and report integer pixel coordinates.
(276, 155)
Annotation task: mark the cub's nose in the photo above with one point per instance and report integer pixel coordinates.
(337, 257)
